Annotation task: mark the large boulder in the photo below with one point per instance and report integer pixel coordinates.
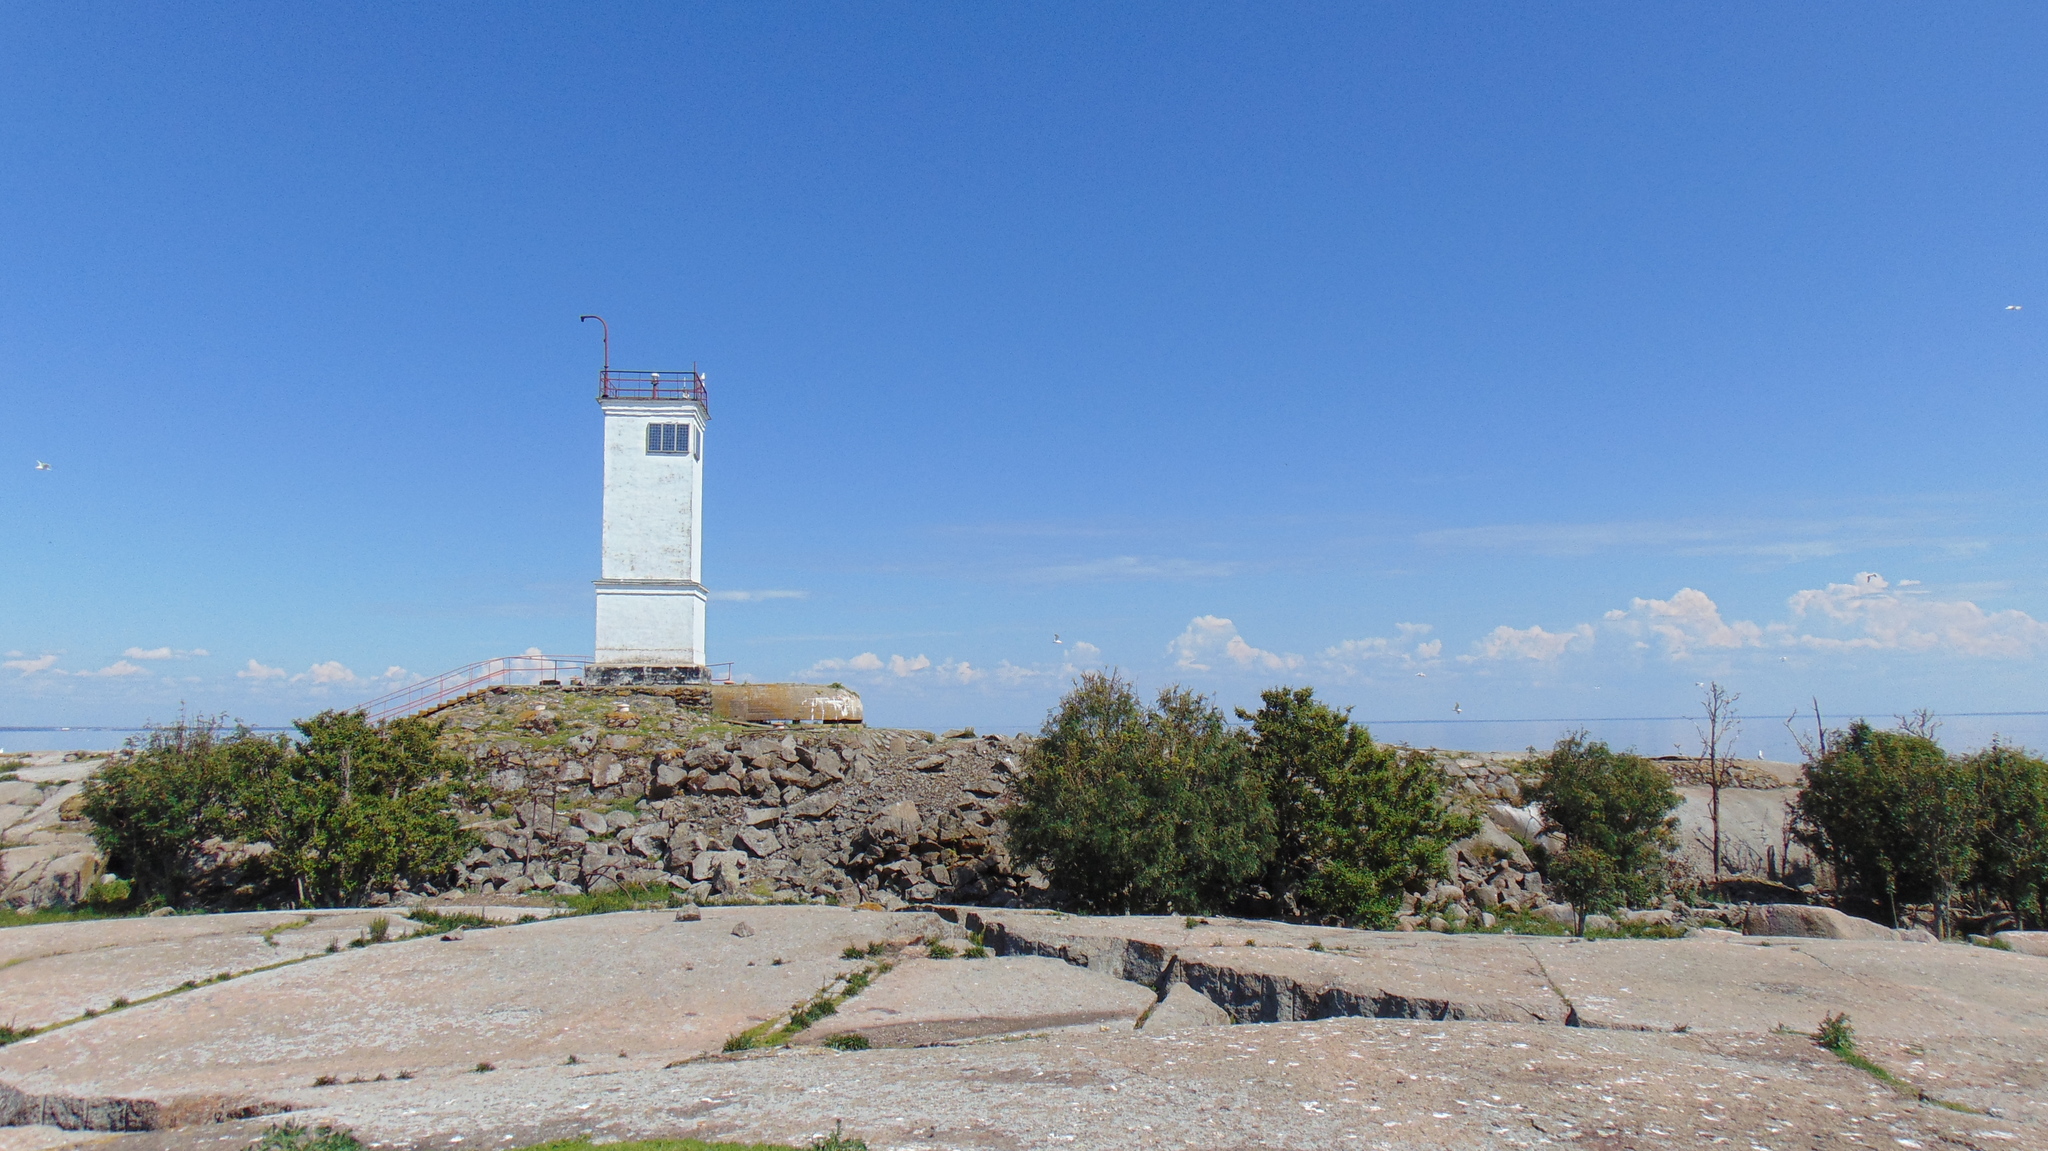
(1801, 921)
(2025, 942)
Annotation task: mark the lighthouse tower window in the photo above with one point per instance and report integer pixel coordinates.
(668, 439)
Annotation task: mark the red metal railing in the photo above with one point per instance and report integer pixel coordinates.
(523, 669)
(617, 385)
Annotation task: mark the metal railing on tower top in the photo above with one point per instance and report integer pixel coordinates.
(520, 669)
(617, 385)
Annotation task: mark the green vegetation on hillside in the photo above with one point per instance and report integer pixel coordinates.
(345, 807)
(1167, 809)
(1614, 809)
(1902, 821)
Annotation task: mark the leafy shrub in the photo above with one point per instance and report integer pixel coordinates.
(1893, 813)
(108, 894)
(848, 1041)
(1835, 1034)
(1614, 809)
(938, 950)
(1141, 809)
(2012, 837)
(1355, 822)
(346, 806)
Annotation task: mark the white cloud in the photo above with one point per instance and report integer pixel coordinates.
(738, 596)
(1868, 613)
(1903, 618)
(1686, 621)
(116, 670)
(1082, 649)
(865, 661)
(395, 672)
(163, 653)
(31, 666)
(258, 671)
(327, 673)
(1210, 638)
(918, 667)
(1406, 651)
(1532, 642)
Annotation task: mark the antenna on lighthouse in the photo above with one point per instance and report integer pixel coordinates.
(607, 338)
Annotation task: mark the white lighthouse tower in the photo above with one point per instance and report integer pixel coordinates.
(650, 599)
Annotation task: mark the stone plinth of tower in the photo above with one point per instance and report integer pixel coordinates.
(650, 599)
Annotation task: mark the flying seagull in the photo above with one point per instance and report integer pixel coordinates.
(2012, 307)
(41, 466)
(1458, 708)
(1056, 638)
(1421, 675)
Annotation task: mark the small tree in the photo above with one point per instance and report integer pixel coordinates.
(354, 806)
(163, 794)
(1893, 813)
(1137, 809)
(347, 807)
(1717, 731)
(1355, 822)
(2012, 855)
(1614, 810)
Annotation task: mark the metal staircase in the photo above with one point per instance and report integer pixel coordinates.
(505, 669)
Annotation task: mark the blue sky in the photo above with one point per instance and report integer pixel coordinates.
(1538, 362)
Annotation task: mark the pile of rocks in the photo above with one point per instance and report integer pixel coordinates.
(651, 793)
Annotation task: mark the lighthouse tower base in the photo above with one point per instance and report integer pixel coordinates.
(644, 675)
(649, 632)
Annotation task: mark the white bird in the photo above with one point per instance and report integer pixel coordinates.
(1421, 675)
(1458, 708)
(41, 466)
(1056, 638)
(2012, 307)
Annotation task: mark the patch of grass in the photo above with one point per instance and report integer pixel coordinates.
(9, 917)
(1837, 1036)
(1316, 945)
(780, 1030)
(325, 1081)
(9, 1033)
(848, 1041)
(1518, 922)
(937, 949)
(270, 933)
(440, 922)
(484, 1066)
(631, 897)
(295, 1137)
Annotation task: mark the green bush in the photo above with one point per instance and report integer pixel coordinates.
(1614, 809)
(1165, 808)
(108, 894)
(1903, 821)
(2012, 839)
(1355, 822)
(848, 1041)
(346, 806)
(1893, 813)
(1141, 809)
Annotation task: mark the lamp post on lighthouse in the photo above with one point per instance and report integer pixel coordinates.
(650, 594)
